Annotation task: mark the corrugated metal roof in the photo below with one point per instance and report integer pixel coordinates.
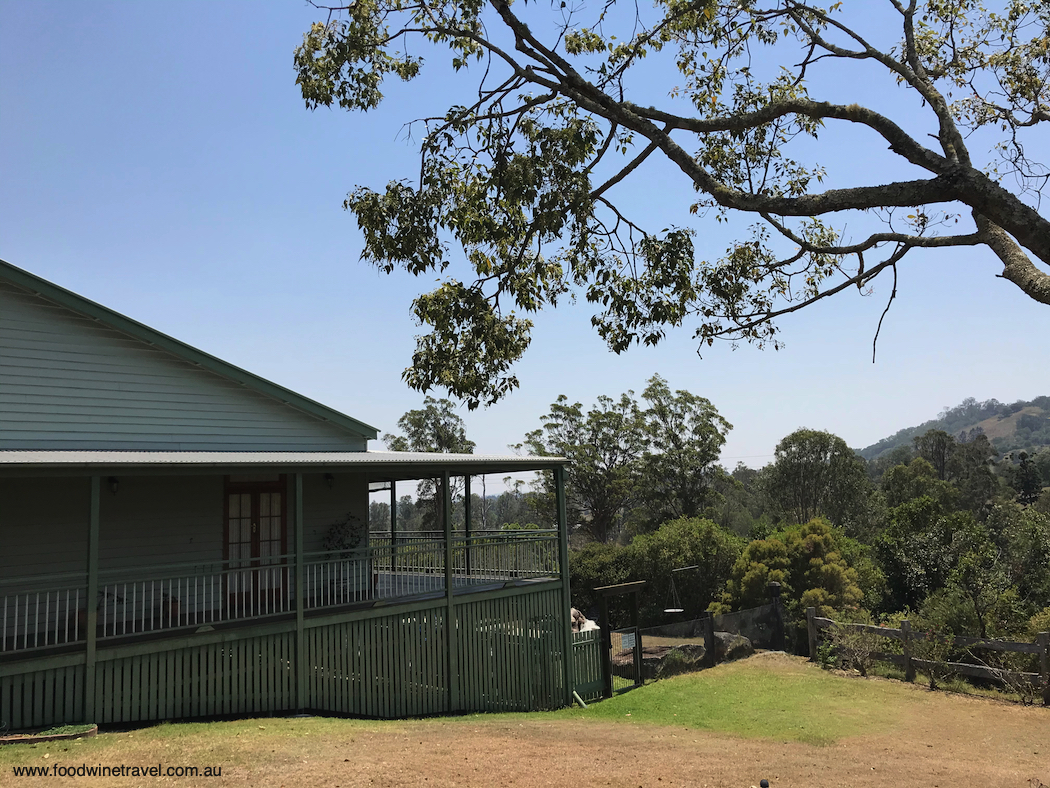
(377, 464)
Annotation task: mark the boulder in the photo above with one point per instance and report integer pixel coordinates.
(660, 661)
(686, 658)
(729, 647)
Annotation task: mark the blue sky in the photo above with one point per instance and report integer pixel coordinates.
(158, 158)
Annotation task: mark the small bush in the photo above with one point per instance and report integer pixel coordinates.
(675, 662)
(826, 655)
(936, 648)
(856, 648)
(1040, 622)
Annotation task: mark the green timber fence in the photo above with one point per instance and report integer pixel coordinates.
(384, 663)
(587, 664)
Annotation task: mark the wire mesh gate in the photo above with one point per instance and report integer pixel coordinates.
(622, 649)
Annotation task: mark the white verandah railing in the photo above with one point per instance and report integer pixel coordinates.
(46, 611)
(42, 611)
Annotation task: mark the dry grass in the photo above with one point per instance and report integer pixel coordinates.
(1000, 428)
(919, 738)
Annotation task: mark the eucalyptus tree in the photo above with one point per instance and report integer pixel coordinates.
(679, 466)
(815, 474)
(561, 108)
(436, 427)
(642, 462)
(604, 446)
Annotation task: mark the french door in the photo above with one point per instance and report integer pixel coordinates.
(256, 538)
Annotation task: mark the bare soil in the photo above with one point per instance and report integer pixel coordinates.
(943, 740)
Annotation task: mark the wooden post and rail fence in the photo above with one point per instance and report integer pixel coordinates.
(908, 637)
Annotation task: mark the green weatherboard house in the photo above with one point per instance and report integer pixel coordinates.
(180, 538)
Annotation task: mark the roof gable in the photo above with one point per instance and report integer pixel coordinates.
(79, 375)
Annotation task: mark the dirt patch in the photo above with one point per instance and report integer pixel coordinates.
(941, 740)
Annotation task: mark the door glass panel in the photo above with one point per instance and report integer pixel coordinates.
(240, 539)
(256, 533)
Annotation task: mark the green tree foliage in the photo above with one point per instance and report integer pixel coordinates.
(898, 455)
(678, 543)
(603, 446)
(526, 173)
(936, 447)
(816, 474)
(1023, 537)
(808, 561)
(956, 474)
(915, 550)
(651, 557)
(651, 462)
(970, 469)
(917, 479)
(741, 506)
(436, 427)
(378, 516)
(593, 565)
(685, 435)
(1040, 622)
(981, 580)
(1027, 481)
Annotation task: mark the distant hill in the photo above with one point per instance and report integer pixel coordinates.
(1019, 425)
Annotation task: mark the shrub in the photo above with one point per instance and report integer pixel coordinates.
(825, 656)
(936, 649)
(673, 663)
(1040, 622)
(855, 648)
(808, 562)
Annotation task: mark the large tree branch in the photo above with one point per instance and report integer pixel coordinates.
(957, 183)
(875, 239)
(855, 281)
(900, 141)
(1017, 268)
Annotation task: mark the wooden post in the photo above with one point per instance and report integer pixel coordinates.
(300, 602)
(92, 600)
(393, 526)
(467, 513)
(637, 641)
(450, 609)
(909, 666)
(563, 570)
(1044, 665)
(811, 629)
(606, 627)
(778, 639)
(709, 638)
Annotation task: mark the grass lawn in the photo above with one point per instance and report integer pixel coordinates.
(798, 704)
(769, 716)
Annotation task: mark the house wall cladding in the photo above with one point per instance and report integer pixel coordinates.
(387, 666)
(151, 520)
(43, 526)
(69, 382)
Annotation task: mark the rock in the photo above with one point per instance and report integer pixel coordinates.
(659, 662)
(662, 661)
(729, 647)
(681, 659)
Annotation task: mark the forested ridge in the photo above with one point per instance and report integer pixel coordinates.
(1021, 425)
